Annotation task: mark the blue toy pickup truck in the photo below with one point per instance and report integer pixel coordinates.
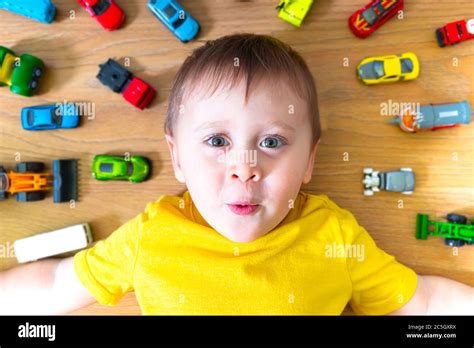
(41, 10)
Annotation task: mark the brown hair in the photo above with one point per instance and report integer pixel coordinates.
(231, 58)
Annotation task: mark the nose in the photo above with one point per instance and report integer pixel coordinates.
(245, 172)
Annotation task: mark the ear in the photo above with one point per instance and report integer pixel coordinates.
(178, 173)
(309, 169)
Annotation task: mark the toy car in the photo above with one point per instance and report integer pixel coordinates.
(53, 243)
(21, 73)
(136, 91)
(456, 232)
(294, 11)
(366, 20)
(175, 18)
(30, 182)
(41, 10)
(455, 32)
(108, 167)
(49, 117)
(400, 67)
(434, 117)
(106, 12)
(402, 180)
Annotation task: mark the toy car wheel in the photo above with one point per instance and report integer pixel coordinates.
(3, 196)
(368, 193)
(33, 84)
(457, 219)
(30, 196)
(37, 72)
(452, 242)
(368, 170)
(30, 167)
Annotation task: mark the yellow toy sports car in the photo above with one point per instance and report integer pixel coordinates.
(400, 67)
(293, 11)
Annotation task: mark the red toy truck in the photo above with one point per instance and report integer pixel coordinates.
(134, 90)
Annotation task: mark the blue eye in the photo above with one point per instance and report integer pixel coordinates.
(272, 142)
(217, 141)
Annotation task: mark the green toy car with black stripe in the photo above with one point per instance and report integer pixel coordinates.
(133, 168)
(21, 73)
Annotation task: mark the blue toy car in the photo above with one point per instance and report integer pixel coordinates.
(49, 117)
(41, 10)
(176, 18)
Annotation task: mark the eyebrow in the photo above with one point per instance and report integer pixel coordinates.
(276, 124)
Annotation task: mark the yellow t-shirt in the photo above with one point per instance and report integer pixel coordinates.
(315, 261)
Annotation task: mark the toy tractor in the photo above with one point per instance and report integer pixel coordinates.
(456, 232)
(29, 182)
(21, 73)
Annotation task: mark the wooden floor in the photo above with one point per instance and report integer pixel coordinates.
(355, 134)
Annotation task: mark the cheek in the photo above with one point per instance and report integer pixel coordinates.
(284, 177)
(203, 168)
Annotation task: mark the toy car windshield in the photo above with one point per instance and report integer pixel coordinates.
(378, 68)
(460, 32)
(56, 116)
(169, 11)
(129, 168)
(177, 23)
(100, 7)
(106, 167)
(407, 65)
(371, 16)
(31, 117)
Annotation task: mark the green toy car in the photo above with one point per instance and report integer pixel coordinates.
(294, 11)
(456, 232)
(108, 167)
(21, 73)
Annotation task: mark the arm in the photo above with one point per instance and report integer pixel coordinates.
(436, 295)
(43, 287)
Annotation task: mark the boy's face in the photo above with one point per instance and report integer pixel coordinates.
(257, 154)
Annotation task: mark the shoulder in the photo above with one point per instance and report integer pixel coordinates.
(313, 203)
(326, 213)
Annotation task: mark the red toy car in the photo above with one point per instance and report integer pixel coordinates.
(366, 20)
(134, 90)
(106, 12)
(455, 32)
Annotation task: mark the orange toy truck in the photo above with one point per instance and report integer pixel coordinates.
(29, 182)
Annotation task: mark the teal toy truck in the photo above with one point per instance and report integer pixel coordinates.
(456, 232)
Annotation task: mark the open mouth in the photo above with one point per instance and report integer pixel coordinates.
(243, 209)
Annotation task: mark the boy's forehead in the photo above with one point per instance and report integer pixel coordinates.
(265, 103)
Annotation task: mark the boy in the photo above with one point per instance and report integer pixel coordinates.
(242, 129)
